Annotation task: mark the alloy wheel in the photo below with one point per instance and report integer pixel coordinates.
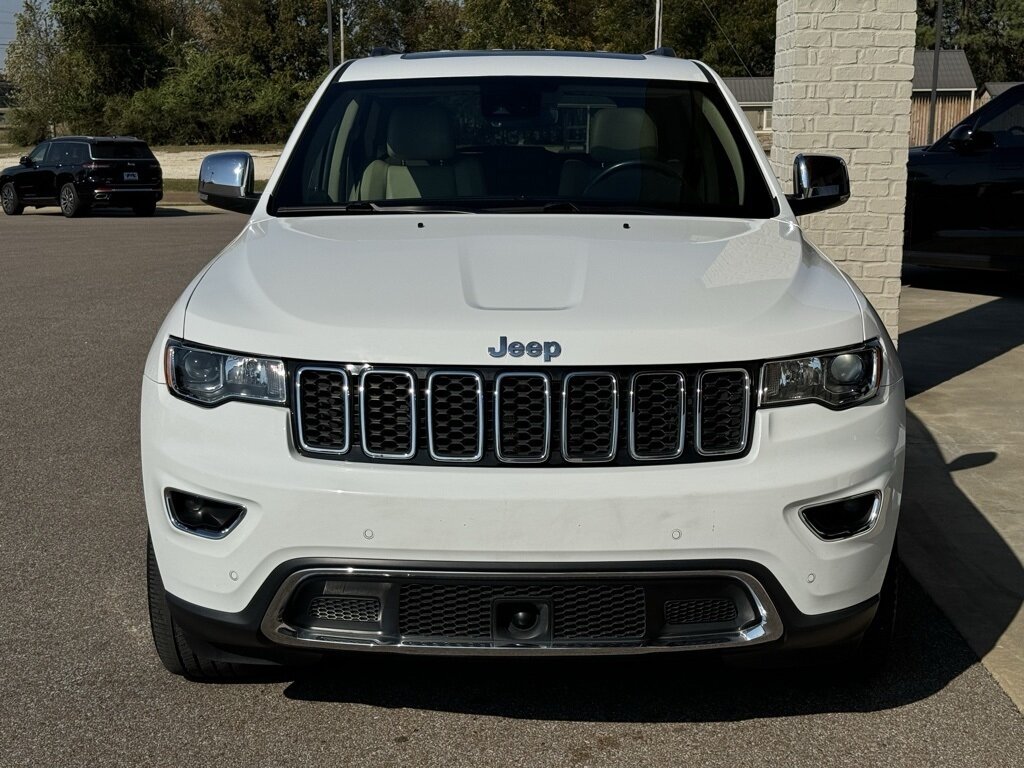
(67, 199)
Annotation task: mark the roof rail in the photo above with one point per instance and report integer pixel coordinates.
(662, 51)
(382, 50)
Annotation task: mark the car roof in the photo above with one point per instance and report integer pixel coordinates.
(448, 64)
(119, 139)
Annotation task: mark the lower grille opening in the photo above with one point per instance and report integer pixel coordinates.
(578, 611)
(700, 611)
(358, 609)
(502, 611)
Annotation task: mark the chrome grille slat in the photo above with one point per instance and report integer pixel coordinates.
(657, 415)
(387, 413)
(455, 416)
(590, 417)
(723, 411)
(323, 409)
(513, 419)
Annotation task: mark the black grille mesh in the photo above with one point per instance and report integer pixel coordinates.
(579, 611)
(322, 407)
(590, 417)
(723, 404)
(364, 609)
(387, 408)
(524, 420)
(657, 414)
(455, 415)
(706, 611)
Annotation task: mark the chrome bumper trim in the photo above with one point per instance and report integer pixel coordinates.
(278, 630)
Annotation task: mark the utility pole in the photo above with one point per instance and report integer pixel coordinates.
(330, 36)
(657, 23)
(935, 73)
(341, 33)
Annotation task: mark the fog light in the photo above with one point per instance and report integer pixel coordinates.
(843, 518)
(201, 516)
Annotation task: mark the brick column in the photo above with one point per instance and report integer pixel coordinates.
(843, 71)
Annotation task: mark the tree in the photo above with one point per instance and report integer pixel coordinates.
(559, 24)
(35, 65)
(991, 33)
(402, 25)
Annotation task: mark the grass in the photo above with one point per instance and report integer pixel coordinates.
(190, 185)
(206, 148)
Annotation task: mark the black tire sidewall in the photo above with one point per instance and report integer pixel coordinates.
(78, 208)
(17, 207)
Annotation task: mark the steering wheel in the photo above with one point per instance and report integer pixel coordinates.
(1016, 130)
(655, 165)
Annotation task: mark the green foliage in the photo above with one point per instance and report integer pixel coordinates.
(991, 32)
(213, 99)
(201, 71)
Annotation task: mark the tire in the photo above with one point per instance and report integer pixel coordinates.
(145, 209)
(71, 204)
(877, 643)
(12, 204)
(172, 646)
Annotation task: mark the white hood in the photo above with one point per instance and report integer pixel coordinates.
(439, 289)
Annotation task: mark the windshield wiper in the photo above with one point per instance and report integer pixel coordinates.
(362, 207)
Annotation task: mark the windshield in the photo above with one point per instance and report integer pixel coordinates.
(524, 143)
(121, 150)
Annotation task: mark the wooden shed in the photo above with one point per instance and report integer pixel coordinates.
(956, 95)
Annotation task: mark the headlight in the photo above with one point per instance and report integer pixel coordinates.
(209, 377)
(837, 379)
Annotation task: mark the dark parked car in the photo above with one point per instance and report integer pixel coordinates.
(965, 193)
(79, 172)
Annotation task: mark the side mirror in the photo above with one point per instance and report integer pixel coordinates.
(226, 181)
(25, 160)
(819, 182)
(965, 138)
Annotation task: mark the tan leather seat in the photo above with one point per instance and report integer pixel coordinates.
(422, 162)
(617, 134)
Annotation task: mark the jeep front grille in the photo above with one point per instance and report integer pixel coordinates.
(495, 417)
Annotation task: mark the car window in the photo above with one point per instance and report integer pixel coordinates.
(497, 143)
(121, 150)
(1006, 126)
(67, 153)
(78, 153)
(39, 153)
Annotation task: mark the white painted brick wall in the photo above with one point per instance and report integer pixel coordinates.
(842, 86)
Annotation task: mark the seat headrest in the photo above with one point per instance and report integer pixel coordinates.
(623, 133)
(420, 133)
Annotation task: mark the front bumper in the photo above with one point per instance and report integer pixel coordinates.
(264, 629)
(736, 516)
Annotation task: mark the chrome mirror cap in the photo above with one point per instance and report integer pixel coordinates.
(820, 182)
(226, 181)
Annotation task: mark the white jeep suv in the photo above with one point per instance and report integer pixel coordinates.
(520, 353)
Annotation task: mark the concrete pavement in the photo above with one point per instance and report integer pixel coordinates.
(962, 530)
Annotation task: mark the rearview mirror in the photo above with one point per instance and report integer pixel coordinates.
(25, 160)
(819, 182)
(226, 181)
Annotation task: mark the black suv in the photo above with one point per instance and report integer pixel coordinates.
(79, 172)
(965, 193)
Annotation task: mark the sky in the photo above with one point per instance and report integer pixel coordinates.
(7, 10)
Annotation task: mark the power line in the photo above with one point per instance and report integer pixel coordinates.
(726, 36)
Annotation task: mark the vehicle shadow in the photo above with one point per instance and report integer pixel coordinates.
(928, 654)
(964, 341)
(163, 211)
